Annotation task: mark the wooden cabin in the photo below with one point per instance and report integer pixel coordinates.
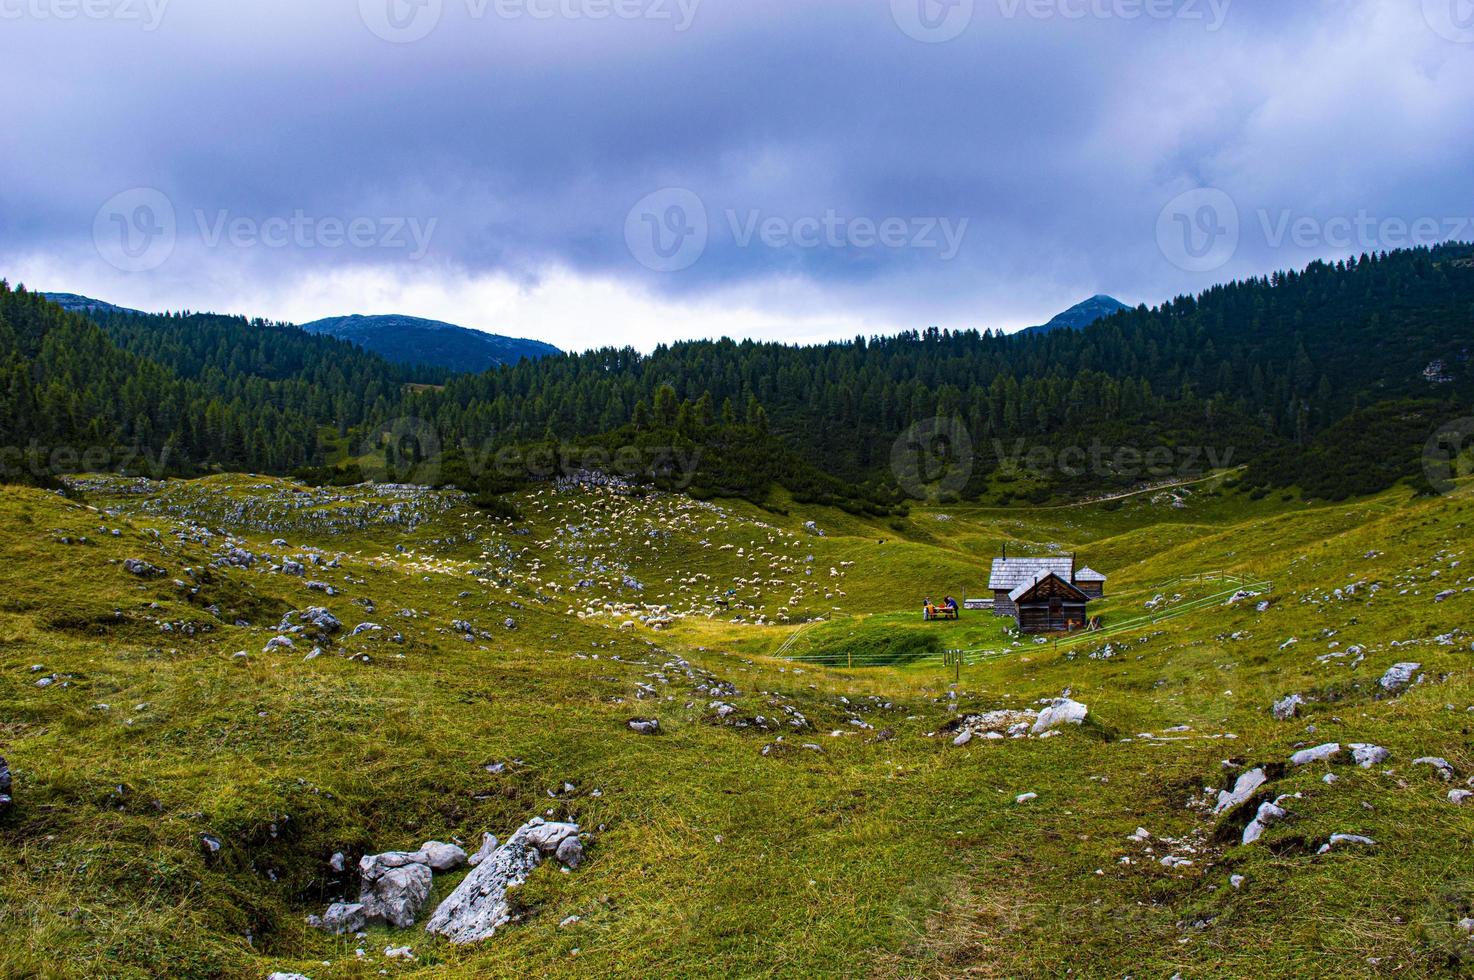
(1049, 605)
(1044, 595)
(1091, 582)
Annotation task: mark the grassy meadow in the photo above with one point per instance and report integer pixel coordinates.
(827, 827)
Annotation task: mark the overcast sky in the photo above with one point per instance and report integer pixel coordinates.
(636, 171)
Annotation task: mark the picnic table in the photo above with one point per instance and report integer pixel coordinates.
(943, 612)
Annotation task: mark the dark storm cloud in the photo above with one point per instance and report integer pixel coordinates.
(962, 163)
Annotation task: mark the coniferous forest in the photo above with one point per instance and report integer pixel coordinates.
(1331, 379)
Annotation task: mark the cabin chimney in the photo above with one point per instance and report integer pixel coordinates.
(1005, 551)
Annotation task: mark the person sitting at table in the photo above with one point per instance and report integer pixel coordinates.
(928, 611)
(951, 603)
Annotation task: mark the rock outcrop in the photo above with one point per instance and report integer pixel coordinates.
(481, 904)
(396, 886)
(1063, 711)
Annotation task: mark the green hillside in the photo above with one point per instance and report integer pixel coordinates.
(826, 824)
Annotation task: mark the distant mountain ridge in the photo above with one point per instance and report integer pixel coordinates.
(1082, 315)
(74, 303)
(413, 340)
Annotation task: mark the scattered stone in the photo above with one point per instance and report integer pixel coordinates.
(1321, 753)
(1063, 711)
(398, 953)
(442, 857)
(286, 976)
(480, 904)
(488, 845)
(1369, 755)
(1444, 768)
(396, 886)
(1246, 786)
(1288, 707)
(5, 800)
(342, 919)
(141, 568)
(645, 726)
(1339, 839)
(1399, 676)
(1458, 797)
(1237, 881)
(1025, 797)
(1269, 813)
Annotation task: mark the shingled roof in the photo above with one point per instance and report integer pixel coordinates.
(1026, 587)
(1089, 575)
(1010, 573)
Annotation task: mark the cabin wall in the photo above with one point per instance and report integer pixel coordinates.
(1035, 617)
(1002, 605)
(1095, 590)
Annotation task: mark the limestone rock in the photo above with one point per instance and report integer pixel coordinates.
(1399, 676)
(5, 801)
(480, 904)
(1268, 814)
(1369, 755)
(488, 845)
(141, 568)
(1062, 712)
(1288, 707)
(396, 886)
(442, 857)
(1246, 786)
(342, 918)
(1321, 753)
(645, 726)
(1444, 768)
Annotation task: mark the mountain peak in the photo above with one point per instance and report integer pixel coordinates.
(414, 340)
(1082, 315)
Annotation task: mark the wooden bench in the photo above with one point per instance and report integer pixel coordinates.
(945, 613)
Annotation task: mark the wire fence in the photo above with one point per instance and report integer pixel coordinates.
(955, 659)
